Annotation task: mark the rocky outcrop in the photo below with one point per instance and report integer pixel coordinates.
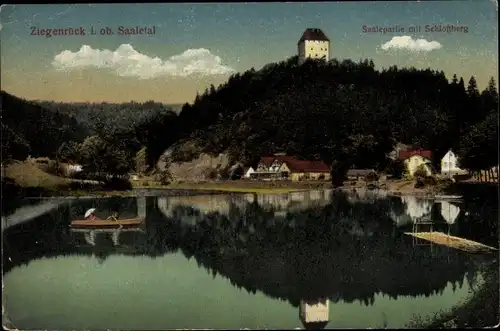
(204, 167)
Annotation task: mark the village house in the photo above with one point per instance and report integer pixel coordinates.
(415, 159)
(288, 167)
(449, 164)
(247, 172)
(304, 170)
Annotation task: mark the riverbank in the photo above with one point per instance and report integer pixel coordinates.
(398, 187)
(26, 180)
(479, 310)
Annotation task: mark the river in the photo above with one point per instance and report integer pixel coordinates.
(239, 261)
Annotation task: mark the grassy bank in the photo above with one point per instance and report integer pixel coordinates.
(239, 186)
(479, 310)
(26, 179)
(23, 179)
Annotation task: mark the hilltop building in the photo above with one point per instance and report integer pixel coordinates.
(313, 44)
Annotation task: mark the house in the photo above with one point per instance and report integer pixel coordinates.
(359, 173)
(265, 163)
(313, 44)
(415, 158)
(449, 164)
(304, 170)
(283, 166)
(247, 172)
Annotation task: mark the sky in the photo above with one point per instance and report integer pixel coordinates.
(195, 45)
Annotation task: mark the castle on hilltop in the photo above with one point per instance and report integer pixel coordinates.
(313, 44)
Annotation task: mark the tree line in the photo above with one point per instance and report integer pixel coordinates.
(345, 113)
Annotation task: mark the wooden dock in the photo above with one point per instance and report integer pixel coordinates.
(453, 242)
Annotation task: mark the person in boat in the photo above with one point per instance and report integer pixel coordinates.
(113, 217)
(90, 215)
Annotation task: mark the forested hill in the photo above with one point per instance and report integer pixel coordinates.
(346, 113)
(40, 128)
(27, 127)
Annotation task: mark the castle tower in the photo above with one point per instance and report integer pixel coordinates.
(313, 44)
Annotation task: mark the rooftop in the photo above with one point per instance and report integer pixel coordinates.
(296, 165)
(403, 155)
(313, 34)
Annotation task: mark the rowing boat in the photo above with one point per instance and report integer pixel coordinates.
(107, 223)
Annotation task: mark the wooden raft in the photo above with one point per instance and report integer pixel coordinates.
(106, 223)
(453, 242)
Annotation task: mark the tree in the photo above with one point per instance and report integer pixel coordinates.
(479, 147)
(141, 161)
(99, 156)
(14, 146)
(68, 152)
(472, 90)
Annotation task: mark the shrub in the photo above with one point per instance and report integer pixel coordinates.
(424, 181)
(53, 168)
(396, 169)
(164, 177)
(421, 171)
(211, 173)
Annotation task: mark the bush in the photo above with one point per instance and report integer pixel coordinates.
(396, 169)
(53, 168)
(424, 181)
(164, 177)
(421, 171)
(211, 173)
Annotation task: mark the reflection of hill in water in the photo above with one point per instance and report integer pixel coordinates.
(346, 250)
(294, 264)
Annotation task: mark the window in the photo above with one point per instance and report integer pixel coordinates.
(315, 55)
(446, 164)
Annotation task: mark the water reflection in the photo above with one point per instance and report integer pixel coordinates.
(306, 249)
(314, 314)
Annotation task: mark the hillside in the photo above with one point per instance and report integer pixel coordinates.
(345, 113)
(24, 123)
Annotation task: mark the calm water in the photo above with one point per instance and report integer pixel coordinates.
(241, 261)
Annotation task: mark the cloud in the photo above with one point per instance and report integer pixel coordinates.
(125, 61)
(410, 44)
